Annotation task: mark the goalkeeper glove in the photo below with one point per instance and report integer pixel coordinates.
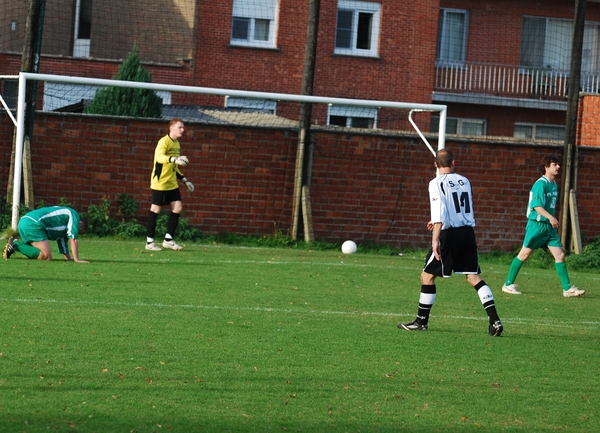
(190, 185)
(180, 160)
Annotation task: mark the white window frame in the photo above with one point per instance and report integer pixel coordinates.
(254, 11)
(351, 112)
(461, 122)
(534, 127)
(262, 105)
(81, 46)
(357, 8)
(444, 44)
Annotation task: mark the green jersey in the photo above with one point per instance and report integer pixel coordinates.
(543, 193)
(57, 221)
(54, 223)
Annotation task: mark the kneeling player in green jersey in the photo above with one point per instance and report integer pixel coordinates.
(541, 230)
(38, 227)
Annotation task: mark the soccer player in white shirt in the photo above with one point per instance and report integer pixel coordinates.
(453, 246)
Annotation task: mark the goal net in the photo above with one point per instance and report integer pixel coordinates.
(229, 107)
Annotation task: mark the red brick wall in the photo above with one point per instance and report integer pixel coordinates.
(364, 187)
(588, 125)
(269, 70)
(376, 189)
(10, 64)
(407, 43)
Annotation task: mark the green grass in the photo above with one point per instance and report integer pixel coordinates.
(230, 339)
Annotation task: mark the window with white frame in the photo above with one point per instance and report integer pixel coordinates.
(247, 104)
(452, 36)
(460, 125)
(352, 117)
(546, 44)
(357, 28)
(83, 28)
(255, 23)
(537, 131)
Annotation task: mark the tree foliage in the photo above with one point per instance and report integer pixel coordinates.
(124, 101)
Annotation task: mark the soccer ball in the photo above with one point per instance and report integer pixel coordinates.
(349, 247)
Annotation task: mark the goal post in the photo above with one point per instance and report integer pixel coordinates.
(225, 94)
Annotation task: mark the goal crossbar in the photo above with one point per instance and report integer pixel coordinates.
(24, 76)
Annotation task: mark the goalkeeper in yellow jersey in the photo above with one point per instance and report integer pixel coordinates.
(165, 189)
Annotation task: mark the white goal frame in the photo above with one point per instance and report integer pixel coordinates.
(24, 76)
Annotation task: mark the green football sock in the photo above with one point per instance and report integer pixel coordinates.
(515, 267)
(27, 250)
(561, 270)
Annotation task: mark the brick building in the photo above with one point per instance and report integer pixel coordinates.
(501, 67)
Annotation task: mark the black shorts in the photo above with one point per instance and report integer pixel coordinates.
(459, 254)
(162, 198)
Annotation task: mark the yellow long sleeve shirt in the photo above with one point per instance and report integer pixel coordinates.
(165, 173)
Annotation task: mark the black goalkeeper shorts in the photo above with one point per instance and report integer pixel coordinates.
(162, 198)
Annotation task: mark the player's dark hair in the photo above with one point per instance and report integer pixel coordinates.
(83, 225)
(546, 161)
(444, 158)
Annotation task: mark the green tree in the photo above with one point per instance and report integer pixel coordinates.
(125, 101)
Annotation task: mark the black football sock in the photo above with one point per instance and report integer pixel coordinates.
(151, 224)
(426, 300)
(172, 226)
(487, 300)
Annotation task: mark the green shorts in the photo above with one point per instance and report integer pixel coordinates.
(539, 234)
(31, 231)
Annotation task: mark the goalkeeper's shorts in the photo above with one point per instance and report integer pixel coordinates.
(162, 198)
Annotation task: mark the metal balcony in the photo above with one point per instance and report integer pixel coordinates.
(504, 81)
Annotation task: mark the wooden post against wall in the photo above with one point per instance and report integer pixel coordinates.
(27, 175)
(576, 244)
(569, 174)
(304, 153)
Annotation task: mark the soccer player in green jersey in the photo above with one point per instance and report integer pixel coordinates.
(38, 227)
(541, 230)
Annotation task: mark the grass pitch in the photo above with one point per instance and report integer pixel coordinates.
(226, 339)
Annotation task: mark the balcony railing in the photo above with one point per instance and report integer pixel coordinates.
(510, 81)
